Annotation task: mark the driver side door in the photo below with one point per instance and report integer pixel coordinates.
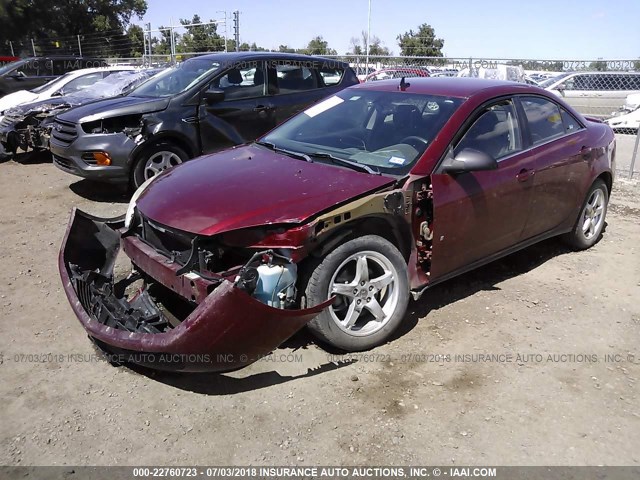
(240, 117)
(479, 214)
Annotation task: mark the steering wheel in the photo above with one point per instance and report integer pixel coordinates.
(408, 141)
(359, 142)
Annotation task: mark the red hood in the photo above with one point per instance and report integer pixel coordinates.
(247, 187)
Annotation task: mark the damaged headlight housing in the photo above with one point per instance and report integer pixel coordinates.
(131, 209)
(126, 124)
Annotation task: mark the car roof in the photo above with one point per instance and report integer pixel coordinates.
(239, 56)
(461, 87)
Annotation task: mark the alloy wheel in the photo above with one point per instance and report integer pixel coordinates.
(367, 294)
(159, 162)
(592, 215)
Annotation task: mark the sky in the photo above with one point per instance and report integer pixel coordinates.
(545, 29)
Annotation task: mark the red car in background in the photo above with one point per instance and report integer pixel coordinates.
(396, 72)
(335, 219)
(5, 60)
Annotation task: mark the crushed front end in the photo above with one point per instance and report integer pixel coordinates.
(26, 132)
(172, 311)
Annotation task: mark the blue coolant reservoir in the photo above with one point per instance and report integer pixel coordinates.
(276, 284)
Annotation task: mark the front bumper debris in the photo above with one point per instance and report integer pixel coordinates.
(228, 329)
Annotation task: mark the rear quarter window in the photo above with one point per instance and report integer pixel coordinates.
(331, 76)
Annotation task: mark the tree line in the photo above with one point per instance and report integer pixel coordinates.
(105, 28)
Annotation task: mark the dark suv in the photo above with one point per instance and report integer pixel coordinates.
(205, 104)
(35, 71)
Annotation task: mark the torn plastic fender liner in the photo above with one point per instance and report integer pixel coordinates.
(228, 330)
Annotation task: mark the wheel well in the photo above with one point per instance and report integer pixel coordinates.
(394, 229)
(607, 178)
(177, 141)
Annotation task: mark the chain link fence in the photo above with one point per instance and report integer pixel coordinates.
(605, 89)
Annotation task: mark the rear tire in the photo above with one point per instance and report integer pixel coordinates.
(154, 160)
(368, 275)
(590, 222)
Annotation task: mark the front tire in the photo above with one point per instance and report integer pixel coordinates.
(368, 276)
(154, 160)
(590, 223)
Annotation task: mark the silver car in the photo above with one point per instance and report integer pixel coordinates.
(594, 93)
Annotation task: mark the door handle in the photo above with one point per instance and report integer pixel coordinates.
(262, 108)
(524, 175)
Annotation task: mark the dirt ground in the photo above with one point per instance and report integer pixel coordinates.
(548, 396)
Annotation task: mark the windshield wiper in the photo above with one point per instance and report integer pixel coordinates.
(291, 153)
(347, 163)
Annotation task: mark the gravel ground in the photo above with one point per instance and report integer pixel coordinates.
(550, 397)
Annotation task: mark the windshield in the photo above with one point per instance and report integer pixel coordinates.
(387, 131)
(115, 84)
(550, 81)
(60, 80)
(10, 66)
(178, 79)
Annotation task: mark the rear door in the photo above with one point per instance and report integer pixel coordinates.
(242, 116)
(558, 145)
(478, 214)
(294, 85)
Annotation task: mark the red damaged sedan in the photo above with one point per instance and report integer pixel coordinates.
(335, 219)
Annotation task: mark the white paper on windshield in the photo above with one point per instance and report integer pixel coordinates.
(397, 160)
(323, 106)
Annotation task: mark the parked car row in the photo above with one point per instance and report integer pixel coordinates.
(27, 126)
(29, 73)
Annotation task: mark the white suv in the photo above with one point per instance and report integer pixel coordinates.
(595, 93)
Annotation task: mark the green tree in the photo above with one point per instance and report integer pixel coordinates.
(422, 43)
(201, 38)
(102, 23)
(286, 49)
(599, 66)
(162, 45)
(319, 46)
(359, 46)
(135, 36)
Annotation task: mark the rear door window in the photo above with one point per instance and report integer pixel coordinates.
(294, 77)
(544, 119)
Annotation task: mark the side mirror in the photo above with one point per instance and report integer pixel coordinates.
(468, 160)
(561, 88)
(18, 75)
(213, 95)
(57, 93)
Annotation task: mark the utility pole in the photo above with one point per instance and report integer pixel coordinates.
(33, 47)
(225, 33)
(368, 38)
(149, 40)
(79, 46)
(236, 28)
(173, 43)
(13, 54)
